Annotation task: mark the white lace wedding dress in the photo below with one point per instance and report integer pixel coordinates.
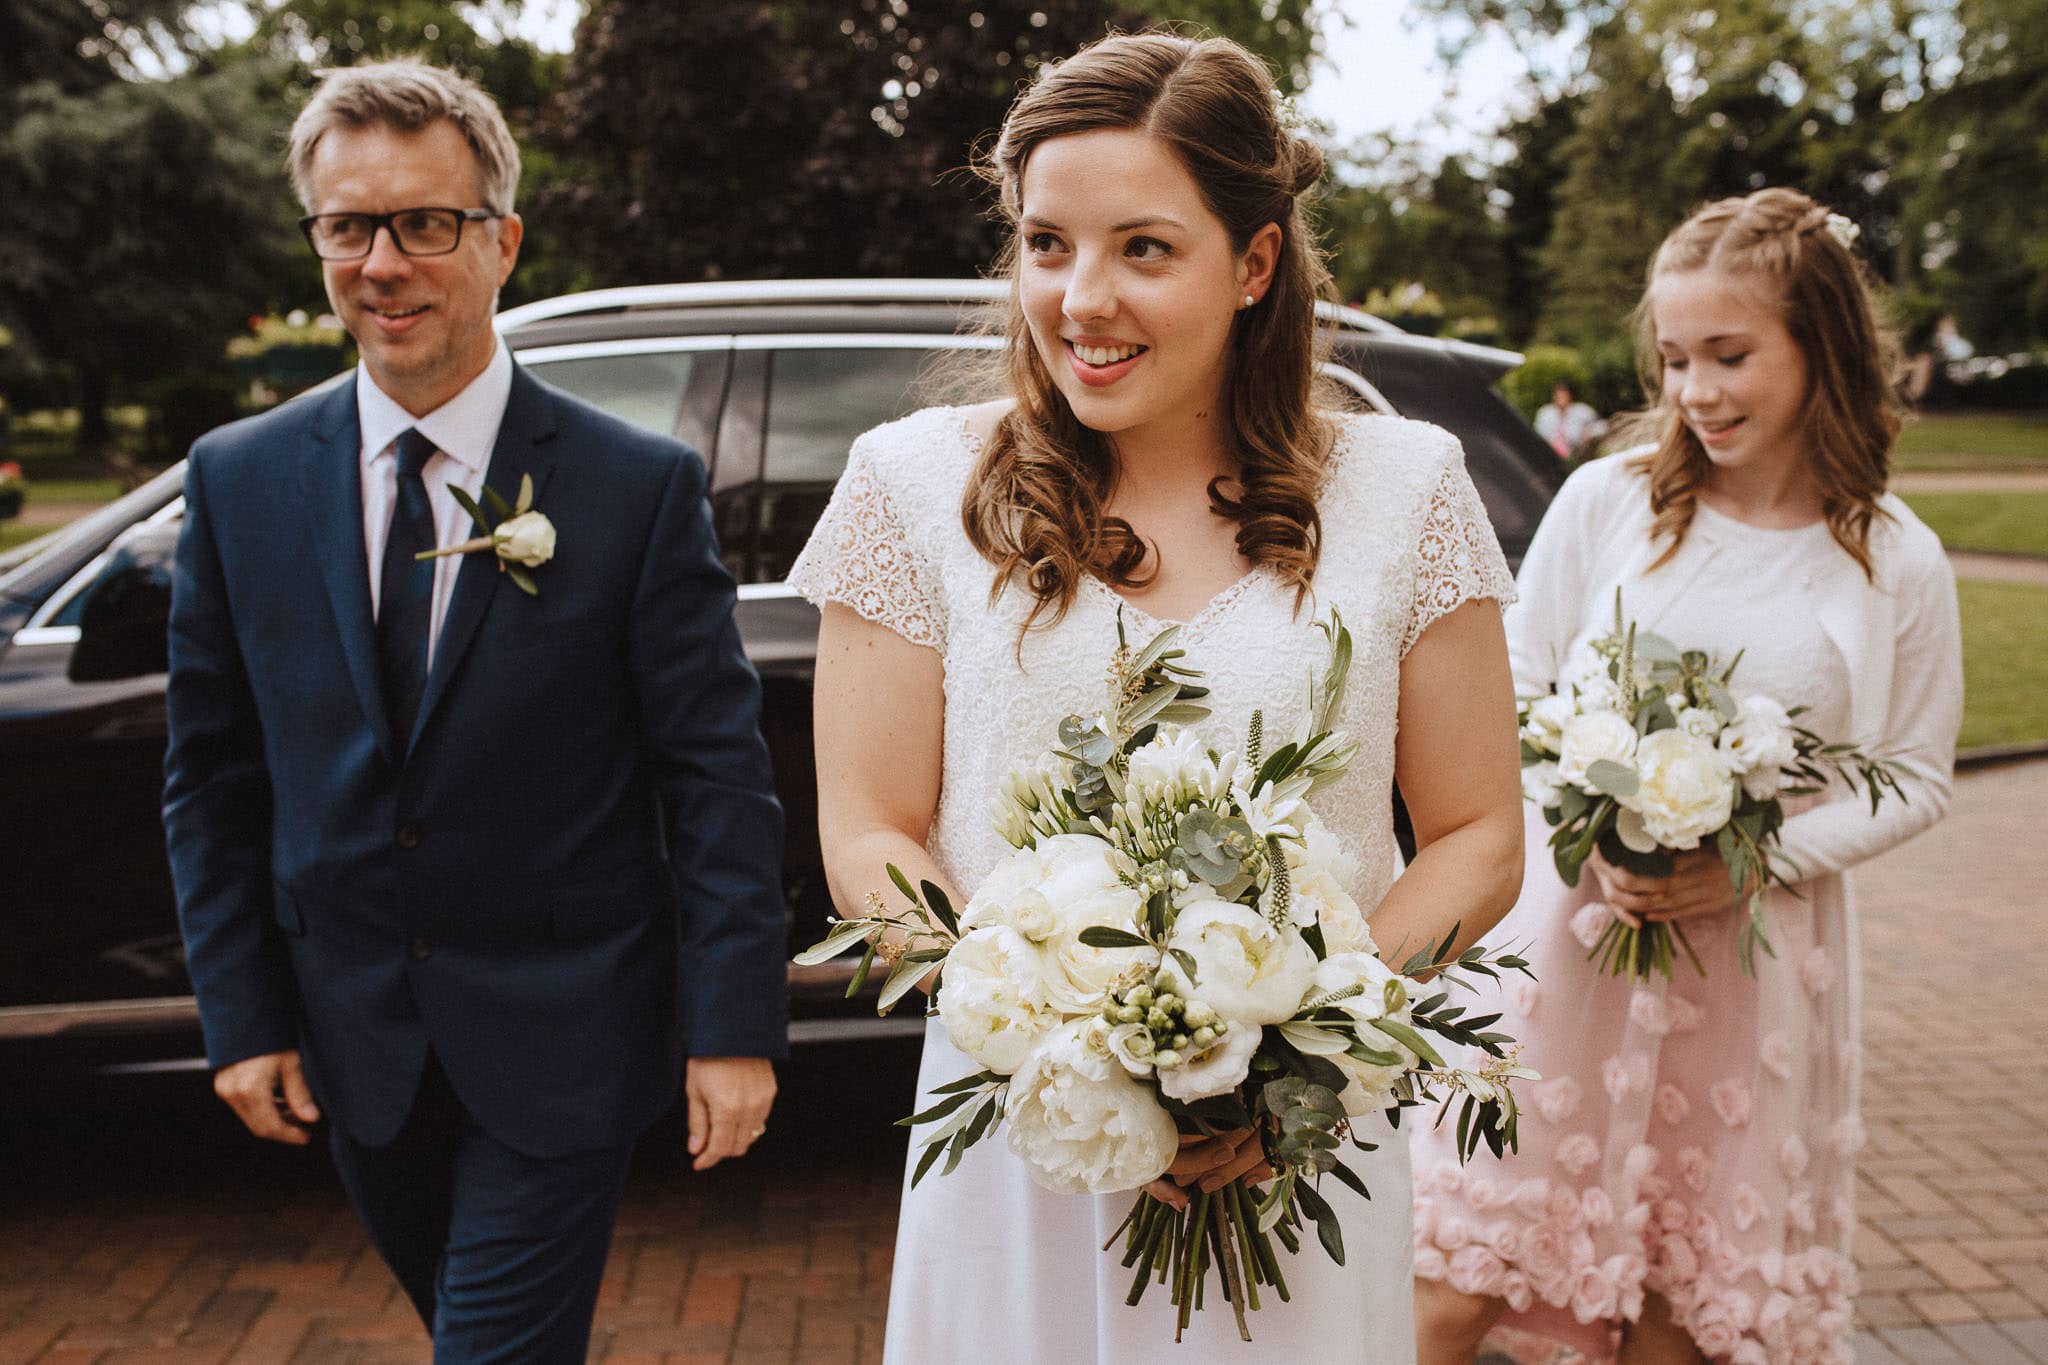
(990, 1269)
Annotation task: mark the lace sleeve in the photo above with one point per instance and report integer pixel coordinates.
(1458, 558)
(860, 554)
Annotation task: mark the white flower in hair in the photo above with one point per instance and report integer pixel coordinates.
(1843, 230)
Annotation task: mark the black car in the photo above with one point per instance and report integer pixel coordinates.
(771, 381)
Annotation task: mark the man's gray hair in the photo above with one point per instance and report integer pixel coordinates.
(408, 94)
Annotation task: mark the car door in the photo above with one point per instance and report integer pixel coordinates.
(89, 908)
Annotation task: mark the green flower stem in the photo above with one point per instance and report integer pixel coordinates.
(1223, 1218)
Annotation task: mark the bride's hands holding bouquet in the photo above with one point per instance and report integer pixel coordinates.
(1210, 1164)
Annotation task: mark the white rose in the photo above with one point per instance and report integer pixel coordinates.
(1219, 1070)
(1248, 971)
(1586, 681)
(528, 539)
(1080, 1123)
(1590, 738)
(992, 998)
(1686, 792)
(1541, 783)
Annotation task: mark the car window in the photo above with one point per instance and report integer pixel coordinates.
(645, 389)
(819, 400)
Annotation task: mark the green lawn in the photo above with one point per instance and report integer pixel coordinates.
(1974, 441)
(2005, 639)
(73, 490)
(13, 534)
(2013, 522)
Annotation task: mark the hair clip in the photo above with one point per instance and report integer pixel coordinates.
(1843, 230)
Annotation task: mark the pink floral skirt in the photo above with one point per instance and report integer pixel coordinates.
(1692, 1139)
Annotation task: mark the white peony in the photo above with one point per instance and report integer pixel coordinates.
(993, 998)
(1049, 894)
(1218, 1071)
(1248, 971)
(1686, 793)
(1759, 744)
(1541, 785)
(1591, 737)
(1080, 1122)
(1369, 1087)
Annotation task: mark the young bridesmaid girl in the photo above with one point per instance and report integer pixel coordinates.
(1683, 1190)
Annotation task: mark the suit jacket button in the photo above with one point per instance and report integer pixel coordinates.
(408, 836)
(420, 949)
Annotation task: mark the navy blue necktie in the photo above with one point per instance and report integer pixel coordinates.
(405, 601)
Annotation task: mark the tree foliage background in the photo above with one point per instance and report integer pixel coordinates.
(146, 217)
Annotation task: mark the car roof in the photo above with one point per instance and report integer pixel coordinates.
(743, 307)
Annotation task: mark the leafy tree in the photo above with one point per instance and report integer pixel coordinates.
(140, 214)
(820, 138)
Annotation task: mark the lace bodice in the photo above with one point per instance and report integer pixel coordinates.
(1405, 541)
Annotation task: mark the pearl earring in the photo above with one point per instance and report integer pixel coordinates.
(1248, 301)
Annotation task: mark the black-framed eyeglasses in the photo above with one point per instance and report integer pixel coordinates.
(415, 232)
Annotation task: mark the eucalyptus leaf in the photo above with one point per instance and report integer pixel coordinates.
(1613, 778)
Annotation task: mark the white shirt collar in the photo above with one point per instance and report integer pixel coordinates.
(465, 428)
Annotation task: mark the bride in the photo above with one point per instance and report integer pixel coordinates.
(1159, 454)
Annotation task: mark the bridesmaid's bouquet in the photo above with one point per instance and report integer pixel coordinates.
(1649, 753)
(1171, 954)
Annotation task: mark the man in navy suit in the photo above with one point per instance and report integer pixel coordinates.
(472, 871)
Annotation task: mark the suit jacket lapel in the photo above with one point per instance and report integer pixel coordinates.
(529, 423)
(333, 480)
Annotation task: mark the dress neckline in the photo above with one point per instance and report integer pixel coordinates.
(1210, 610)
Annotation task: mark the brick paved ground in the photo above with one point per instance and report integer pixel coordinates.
(255, 1258)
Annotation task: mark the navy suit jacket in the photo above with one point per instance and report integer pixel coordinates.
(567, 878)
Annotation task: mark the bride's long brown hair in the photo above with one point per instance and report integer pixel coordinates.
(1036, 506)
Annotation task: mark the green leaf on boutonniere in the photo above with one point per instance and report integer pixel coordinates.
(476, 513)
(497, 502)
(525, 503)
(522, 577)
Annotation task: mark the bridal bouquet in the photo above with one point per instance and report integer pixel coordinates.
(1171, 953)
(1649, 753)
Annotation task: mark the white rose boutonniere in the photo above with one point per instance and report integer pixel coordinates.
(522, 538)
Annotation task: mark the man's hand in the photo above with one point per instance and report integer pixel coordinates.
(267, 1093)
(1698, 885)
(729, 1102)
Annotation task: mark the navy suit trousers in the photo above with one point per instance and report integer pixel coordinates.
(501, 1253)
